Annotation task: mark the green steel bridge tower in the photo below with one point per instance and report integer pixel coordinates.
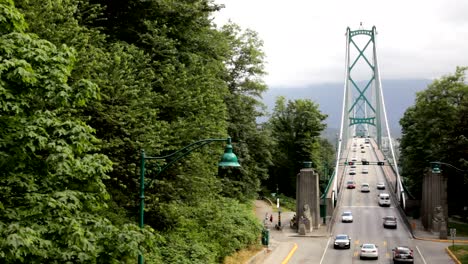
(363, 108)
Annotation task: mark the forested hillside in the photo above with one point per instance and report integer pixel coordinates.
(85, 85)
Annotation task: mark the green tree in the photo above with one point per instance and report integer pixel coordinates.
(434, 129)
(51, 174)
(296, 127)
(244, 72)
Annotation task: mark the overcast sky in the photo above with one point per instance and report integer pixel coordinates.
(305, 42)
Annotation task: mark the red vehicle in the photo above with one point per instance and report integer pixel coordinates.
(350, 185)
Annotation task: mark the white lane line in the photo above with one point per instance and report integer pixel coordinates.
(421, 255)
(324, 252)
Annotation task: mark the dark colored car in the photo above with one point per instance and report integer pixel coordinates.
(390, 222)
(342, 241)
(350, 185)
(403, 254)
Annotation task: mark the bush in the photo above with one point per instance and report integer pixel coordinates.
(209, 231)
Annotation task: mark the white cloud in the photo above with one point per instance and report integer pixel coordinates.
(305, 40)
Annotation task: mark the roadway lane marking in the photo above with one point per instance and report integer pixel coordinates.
(420, 254)
(356, 242)
(324, 252)
(286, 260)
(385, 243)
(356, 253)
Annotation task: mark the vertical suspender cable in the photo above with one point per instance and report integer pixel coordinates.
(401, 195)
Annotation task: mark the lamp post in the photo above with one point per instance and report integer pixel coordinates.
(229, 159)
(278, 207)
(435, 166)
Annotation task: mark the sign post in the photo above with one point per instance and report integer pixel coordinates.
(453, 233)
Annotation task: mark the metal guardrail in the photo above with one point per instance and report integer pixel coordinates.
(405, 188)
(330, 182)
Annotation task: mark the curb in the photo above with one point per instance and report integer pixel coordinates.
(441, 240)
(259, 257)
(452, 256)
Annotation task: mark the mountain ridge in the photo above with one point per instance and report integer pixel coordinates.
(398, 96)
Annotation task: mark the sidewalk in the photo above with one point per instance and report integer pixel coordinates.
(421, 234)
(281, 242)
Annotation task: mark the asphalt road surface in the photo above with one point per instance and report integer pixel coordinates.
(367, 226)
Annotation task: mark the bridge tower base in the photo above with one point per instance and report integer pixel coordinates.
(308, 198)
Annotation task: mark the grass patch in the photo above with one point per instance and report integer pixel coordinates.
(286, 203)
(462, 229)
(461, 252)
(242, 256)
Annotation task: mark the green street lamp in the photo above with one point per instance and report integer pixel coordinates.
(229, 159)
(435, 166)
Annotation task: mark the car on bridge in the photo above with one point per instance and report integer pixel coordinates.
(352, 172)
(347, 217)
(390, 221)
(342, 241)
(369, 251)
(365, 170)
(365, 187)
(350, 185)
(380, 186)
(403, 254)
(384, 199)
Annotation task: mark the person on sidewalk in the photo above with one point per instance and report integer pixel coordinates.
(271, 218)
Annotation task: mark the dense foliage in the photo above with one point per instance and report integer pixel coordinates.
(85, 85)
(296, 126)
(435, 128)
(90, 85)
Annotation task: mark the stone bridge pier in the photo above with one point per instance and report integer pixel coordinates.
(308, 198)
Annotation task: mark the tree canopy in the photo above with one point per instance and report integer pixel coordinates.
(295, 126)
(86, 85)
(435, 129)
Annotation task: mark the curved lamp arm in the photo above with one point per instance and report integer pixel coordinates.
(179, 154)
(229, 159)
(435, 166)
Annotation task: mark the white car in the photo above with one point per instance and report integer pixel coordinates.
(380, 186)
(352, 172)
(384, 199)
(365, 170)
(365, 187)
(342, 241)
(369, 251)
(347, 217)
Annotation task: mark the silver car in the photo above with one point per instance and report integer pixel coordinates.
(381, 186)
(403, 254)
(347, 217)
(365, 187)
(390, 222)
(369, 251)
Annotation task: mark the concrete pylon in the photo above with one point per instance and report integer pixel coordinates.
(434, 206)
(308, 198)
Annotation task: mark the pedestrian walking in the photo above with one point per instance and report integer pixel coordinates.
(271, 218)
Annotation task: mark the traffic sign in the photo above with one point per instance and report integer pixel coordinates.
(453, 232)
